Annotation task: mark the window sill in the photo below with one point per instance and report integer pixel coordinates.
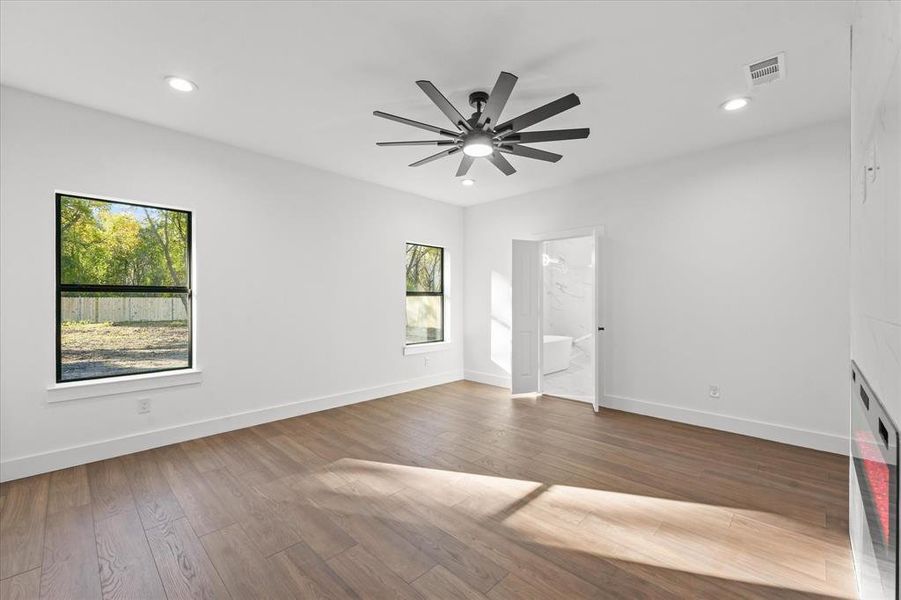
(61, 392)
(423, 348)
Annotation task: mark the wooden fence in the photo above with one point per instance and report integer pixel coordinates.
(122, 309)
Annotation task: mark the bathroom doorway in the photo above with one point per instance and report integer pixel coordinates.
(568, 318)
(558, 326)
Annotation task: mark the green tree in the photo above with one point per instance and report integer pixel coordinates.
(81, 241)
(168, 230)
(121, 248)
(109, 243)
(423, 268)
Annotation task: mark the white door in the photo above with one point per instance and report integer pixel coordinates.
(600, 325)
(526, 326)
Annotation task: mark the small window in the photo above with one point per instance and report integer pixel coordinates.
(425, 294)
(123, 302)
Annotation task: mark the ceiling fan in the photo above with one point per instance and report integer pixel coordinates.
(482, 136)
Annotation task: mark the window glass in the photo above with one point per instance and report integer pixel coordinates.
(424, 268)
(425, 293)
(424, 319)
(120, 333)
(111, 243)
(123, 290)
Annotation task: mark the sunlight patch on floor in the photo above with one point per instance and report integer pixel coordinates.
(725, 542)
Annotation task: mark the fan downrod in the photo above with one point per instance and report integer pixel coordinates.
(478, 99)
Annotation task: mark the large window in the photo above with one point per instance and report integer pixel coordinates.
(123, 274)
(425, 294)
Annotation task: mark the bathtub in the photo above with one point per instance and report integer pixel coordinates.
(557, 349)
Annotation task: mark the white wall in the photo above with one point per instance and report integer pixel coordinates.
(325, 249)
(727, 267)
(876, 206)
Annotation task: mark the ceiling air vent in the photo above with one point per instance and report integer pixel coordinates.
(766, 71)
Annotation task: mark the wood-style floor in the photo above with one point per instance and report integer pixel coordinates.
(456, 491)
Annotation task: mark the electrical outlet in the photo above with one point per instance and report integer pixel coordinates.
(426, 360)
(143, 406)
(714, 391)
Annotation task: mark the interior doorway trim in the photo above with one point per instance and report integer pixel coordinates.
(597, 232)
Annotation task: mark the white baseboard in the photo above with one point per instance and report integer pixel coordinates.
(574, 397)
(806, 438)
(25, 466)
(768, 431)
(488, 379)
(503, 381)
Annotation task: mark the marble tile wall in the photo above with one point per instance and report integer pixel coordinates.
(569, 310)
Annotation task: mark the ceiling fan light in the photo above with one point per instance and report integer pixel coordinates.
(477, 150)
(477, 146)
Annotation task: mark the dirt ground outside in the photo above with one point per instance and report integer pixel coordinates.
(104, 349)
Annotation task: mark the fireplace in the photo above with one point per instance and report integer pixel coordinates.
(873, 494)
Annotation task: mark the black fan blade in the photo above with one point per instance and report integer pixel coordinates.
(446, 107)
(463, 169)
(539, 114)
(501, 163)
(500, 93)
(528, 152)
(551, 135)
(419, 143)
(441, 154)
(425, 126)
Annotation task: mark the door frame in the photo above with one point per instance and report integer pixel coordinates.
(598, 232)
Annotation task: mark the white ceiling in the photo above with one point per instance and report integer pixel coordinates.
(300, 80)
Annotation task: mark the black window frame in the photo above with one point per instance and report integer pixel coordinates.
(438, 294)
(99, 288)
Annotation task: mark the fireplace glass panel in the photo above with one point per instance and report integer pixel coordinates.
(873, 493)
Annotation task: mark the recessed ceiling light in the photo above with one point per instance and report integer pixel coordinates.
(468, 182)
(180, 84)
(735, 104)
